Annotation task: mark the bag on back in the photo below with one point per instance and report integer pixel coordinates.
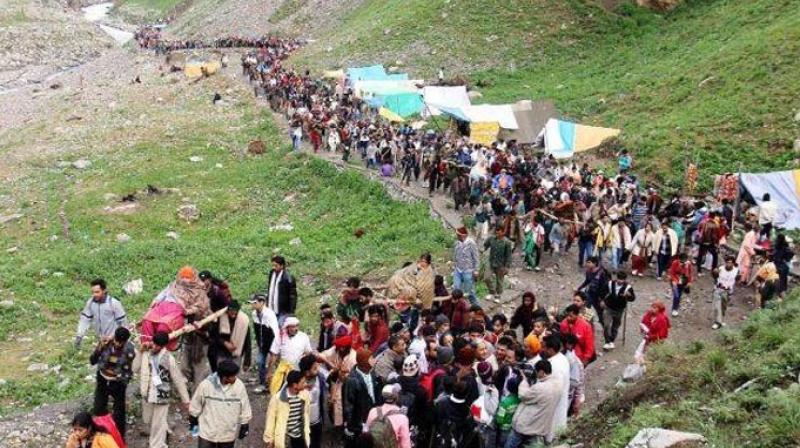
(382, 432)
(427, 382)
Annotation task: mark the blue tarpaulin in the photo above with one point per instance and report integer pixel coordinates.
(372, 72)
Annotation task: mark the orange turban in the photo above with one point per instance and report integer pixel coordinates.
(532, 343)
(186, 272)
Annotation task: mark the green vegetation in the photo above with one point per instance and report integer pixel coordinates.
(710, 81)
(239, 196)
(138, 10)
(286, 9)
(693, 388)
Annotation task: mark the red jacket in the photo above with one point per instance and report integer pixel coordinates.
(659, 325)
(678, 269)
(378, 334)
(584, 349)
(460, 311)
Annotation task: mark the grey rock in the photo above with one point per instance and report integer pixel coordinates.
(38, 367)
(123, 238)
(188, 212)
(9, 218)
(6, 303)
(665, 438)
(81, 164)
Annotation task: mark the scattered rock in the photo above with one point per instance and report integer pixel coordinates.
(189, 212)
(38, 367)
(123, 209)
(133, 287)
(195, 159)
(172, 235)
(110, 197)
(12, 250)
(58, 274)
(256, 147)
(56, 85)
(472, 94)
(6, 303)
(281, 227)
(12, 217)
(295, 242)
(665, 438)
(797, 116)
(706, 81)
(3, 382)
(74, 118)
(387, 31)
(123, 238)
(218, 165)
(633, 373)
(81, 164)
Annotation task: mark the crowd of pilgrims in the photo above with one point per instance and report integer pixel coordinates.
(427, 368)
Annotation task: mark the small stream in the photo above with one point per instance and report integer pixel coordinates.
(98, 12)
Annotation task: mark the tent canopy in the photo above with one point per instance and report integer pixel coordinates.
(366, 73)
(562, 139)
(484, 113)
(784, 190)
(441, 96)
(385, 87)
(531, 117)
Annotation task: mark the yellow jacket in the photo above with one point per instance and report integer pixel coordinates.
(278, 417)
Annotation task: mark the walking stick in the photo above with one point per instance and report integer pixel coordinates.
(624, 325)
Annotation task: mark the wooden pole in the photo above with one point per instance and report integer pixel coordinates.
(188, 328)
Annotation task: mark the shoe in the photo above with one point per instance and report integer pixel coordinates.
(537, 269)
(658, 278)
(715, 326)
(634, 272)
(641, 275)
(609, 346)
(675, 313)
(260, 390)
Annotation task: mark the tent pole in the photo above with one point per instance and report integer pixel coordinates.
(432, 117)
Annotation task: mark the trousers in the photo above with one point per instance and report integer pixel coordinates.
(612, 319)
(116, 390)
(155, 416)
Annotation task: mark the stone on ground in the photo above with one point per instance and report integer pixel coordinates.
(665, 438)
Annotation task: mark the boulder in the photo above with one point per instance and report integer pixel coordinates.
(256, 147)
(665, 438)
(123, 238)
(81, 164)
(133, 287)
(633, 373)
(188, 212)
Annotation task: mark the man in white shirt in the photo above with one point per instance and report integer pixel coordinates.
(725, 281)
(551, 350)
(766, 215)
(293, 345)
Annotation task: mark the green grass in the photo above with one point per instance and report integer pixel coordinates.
(48, 277)
(286, 9)
(692, 388)
(709, 82)
(138, 10)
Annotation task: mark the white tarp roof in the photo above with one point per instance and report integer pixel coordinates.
(444, 96)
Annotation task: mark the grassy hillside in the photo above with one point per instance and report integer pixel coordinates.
(711, 81)
(694, 389)
(148, 140)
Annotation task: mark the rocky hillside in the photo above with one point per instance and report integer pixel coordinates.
(40, 37)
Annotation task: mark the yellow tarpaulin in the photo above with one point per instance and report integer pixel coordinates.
(589, 137)
(333, 74)
(193, 70)
(484, 133)
(389, 115)
(198, 69)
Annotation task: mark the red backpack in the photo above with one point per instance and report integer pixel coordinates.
(427, 382)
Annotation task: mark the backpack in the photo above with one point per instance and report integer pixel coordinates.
(382, 431)
(427, 382)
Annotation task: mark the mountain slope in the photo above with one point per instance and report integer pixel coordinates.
(710, 81)
(738, 390)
